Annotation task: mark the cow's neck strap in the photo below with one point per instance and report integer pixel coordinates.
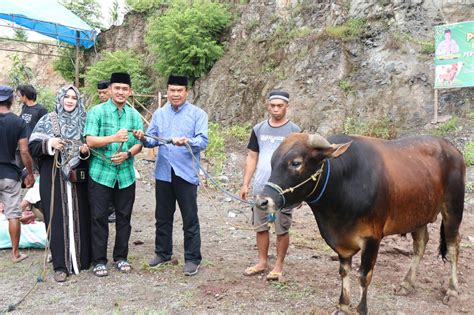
(315, 177)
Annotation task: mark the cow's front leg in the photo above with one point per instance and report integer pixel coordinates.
(367, 263)
(345, 265)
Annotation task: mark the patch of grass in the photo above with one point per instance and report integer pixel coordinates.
(377, 127)
(215, 151)
(447, 127)
(269, 66)
(350, 30)
(346, 87)
(469, 154)
(146, 267)
(252, 25)
(469, 187)
(470, 115)
(279, 285)
(240, 132)
(427, 47)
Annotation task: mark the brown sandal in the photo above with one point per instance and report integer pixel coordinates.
(252, 271)
(275, 276)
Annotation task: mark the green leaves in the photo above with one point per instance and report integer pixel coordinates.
(117, 61)
(185, 40)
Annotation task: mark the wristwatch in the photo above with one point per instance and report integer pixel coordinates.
(129, 154)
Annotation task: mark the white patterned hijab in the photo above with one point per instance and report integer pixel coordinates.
(71, 125)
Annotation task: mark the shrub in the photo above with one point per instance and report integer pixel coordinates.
(427, 47)
(145, 6)
(350, 30)
(469, 153)
(117, 61)
(215, 151)
(47, 98)
(240, 132)
(19, 73)
(346, 87)
(377, 127)
(64, 64)
(185, 40)
(447, 127)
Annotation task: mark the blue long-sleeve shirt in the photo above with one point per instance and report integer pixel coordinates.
(189, 121)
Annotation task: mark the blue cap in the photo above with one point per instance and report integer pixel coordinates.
(5, 92)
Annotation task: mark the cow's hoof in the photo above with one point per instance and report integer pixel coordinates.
(339, 312)
(450, 298)
(404, 289)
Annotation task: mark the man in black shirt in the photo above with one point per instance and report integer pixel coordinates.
(13, 134)
(31, 112)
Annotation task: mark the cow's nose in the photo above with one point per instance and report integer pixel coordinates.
(262, 203)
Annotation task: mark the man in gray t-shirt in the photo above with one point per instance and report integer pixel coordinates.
(266, 137)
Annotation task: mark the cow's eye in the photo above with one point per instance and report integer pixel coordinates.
(295, 163)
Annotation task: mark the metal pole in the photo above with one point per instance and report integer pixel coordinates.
(435, 110)
(78, 41)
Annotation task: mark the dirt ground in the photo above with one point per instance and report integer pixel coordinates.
(228, 246)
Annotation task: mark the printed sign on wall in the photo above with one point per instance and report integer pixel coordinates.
(454, 55)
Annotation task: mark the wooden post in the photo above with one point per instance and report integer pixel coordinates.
(435, 109)
(76, 65)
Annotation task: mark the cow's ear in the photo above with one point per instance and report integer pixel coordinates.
(336, 150)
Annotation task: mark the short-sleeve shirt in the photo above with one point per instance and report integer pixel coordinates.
(31, 115)
(104, 120)
(264, 140)
(12, 129)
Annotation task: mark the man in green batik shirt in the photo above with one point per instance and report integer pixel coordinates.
(112, 177)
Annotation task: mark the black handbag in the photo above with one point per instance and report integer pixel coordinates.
(78, 175)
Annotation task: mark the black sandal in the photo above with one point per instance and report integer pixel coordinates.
(100, 270)
(123, 266)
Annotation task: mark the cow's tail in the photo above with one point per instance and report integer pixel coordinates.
(443, 248)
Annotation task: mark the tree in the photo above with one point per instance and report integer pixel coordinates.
(20, 34)
(114, 12)
(185, 40)
(117, 61)
(88, 10)
(64, 64)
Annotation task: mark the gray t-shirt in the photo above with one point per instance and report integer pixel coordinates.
(264, 140)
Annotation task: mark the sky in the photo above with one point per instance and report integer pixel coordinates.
(105, 6)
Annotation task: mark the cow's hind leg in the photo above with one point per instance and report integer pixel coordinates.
(420, 238)
(450, 244)
(449, 234)
(367, 263)
(345, 265)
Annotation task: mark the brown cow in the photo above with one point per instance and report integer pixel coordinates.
(361, 189)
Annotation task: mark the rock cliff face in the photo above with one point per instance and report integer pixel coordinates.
(384, 72)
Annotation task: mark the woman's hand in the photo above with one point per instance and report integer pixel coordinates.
(84, 149)
(57, 143)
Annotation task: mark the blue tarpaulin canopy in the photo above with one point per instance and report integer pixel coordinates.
(49, 18)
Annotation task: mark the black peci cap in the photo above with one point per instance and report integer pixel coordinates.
(177, 80)
(120, 77)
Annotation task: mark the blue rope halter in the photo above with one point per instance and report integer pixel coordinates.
(325, 184)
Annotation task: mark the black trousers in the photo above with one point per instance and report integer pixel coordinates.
(166, 196)
(100, 197)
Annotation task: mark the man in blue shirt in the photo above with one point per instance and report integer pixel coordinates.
(176, 172)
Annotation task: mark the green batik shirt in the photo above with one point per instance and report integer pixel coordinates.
(104, 120)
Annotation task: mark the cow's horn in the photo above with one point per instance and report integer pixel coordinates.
(318, 142)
